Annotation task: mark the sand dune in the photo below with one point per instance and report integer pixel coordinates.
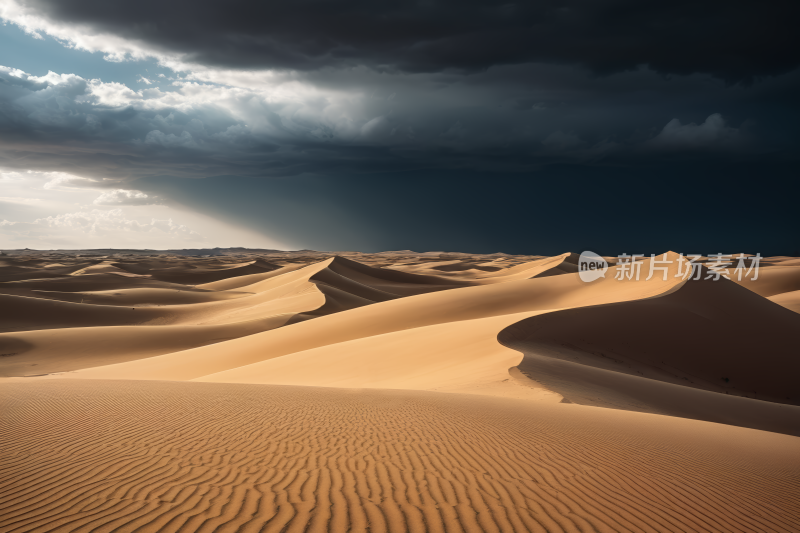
(450, 356)
(703, 335)
(771, 280)
(163, 318)
(99, 268)
(394, 392)
(528, 270)
(138, 297)
(789, 300)
(497, 271)
(653, 355)
(16, 270)
(236, 282)
(387, 280)
(460, 304)
(199, 275)
(89, 282)
(294, 291)
(53, 351)
(684, 337)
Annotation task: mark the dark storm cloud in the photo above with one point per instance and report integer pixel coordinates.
(434, 125)
(481, 86)
(509, 119)
(732, 40)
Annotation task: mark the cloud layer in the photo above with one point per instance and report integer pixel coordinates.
(99, 223)
(731, 39)
(270, 124)
(62, 210)
(320, 111)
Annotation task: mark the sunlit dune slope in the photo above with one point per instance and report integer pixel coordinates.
(52, 351)
(104, 267)
(474, 273)
(231, 284)
(456, 305)
(771, 280)
(789, 300)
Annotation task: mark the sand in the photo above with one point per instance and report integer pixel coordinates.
(394, 392)
(789, 300)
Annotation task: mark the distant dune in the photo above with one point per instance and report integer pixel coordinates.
(403, 391)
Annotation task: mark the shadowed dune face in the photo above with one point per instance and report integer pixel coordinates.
(703, 351)
(712, 335)
(399, 391)
(194, 275)
(88, 282)
(16, 270)
(91, 456)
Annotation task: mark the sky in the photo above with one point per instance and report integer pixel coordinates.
(616, 126)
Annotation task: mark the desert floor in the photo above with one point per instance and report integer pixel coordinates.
(294, 391)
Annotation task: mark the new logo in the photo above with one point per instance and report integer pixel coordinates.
(591, 266)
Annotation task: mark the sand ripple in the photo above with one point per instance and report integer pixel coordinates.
(158, 456)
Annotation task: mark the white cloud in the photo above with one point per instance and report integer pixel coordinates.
(22, 201)
(62, 180)
(126, 197)
(99, 222)
(11, 175)
(111, 94)
(270, 106)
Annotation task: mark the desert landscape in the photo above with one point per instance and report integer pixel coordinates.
(260, 390)
(403, 266)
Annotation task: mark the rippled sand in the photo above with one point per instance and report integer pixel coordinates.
(153, 456)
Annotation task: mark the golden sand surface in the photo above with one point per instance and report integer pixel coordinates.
(399, 391)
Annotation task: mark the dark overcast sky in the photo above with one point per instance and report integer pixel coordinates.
(530, 127)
